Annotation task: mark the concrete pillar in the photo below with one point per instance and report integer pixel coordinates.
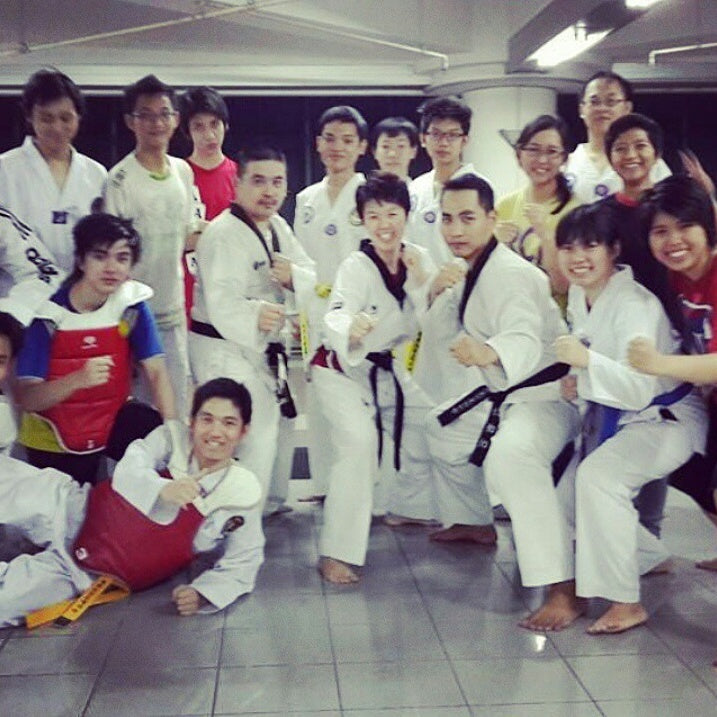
(502, 108)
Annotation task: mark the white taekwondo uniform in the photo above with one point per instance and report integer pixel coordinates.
(589, 183)
(348, 405)
(329, 233)
(510, 309)
(50, 508)
(233, 282)
(424, 226)
(612, 548)
(28, 189)
(163, 211)
(28, 272)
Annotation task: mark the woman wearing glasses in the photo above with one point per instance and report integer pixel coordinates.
(527, 218)
(45, 182)
(606, 97)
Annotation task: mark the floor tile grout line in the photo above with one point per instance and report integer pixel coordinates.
(451, 666)
(219, 664)
(677, 656)
(324, 593)
(103, 667)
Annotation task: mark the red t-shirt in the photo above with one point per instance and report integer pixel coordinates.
(699, 304)
(216, 186)
(216, 190)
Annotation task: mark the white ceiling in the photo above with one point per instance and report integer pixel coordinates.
(328, 45)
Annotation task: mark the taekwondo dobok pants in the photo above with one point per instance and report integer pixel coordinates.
(354, 439)
(49, 507)
(518, 470)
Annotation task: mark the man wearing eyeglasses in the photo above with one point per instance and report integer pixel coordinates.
(606, 96)
(157, 193)
(445, 124)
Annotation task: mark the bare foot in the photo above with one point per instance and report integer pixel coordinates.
(481, 534)
(708, 564)
(561, 609)
(334, 571)
(396, 521)
(313, 499)
(620, 616)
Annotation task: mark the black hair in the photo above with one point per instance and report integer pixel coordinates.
(683, 198)
(227, 388)
(383, 187)
(608, 76)
(13, 331)
(259, 153)
(102, 230)
(475, 183)
(148, 85)
(445, 108)
(347, 115)
(201, 100)
(634, 121)
(393, 127)
(541, 124)
(49, 85)
(585, 225)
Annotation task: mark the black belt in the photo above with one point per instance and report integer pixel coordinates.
(482, 393)
(199, 327)
(384, 360)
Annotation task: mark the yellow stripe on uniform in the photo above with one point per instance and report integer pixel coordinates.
(304, 336)
(103, 590)
(409, 357)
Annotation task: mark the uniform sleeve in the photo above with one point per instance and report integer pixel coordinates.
(33, 360)
(116, 198)
(223, 274)
(144, 338)
(193, 209)
(23, 255)
(299, 224)
(611, 381)
(348, 297)
(234, 574)
(303, 268)
(515, 305)
(136, 478)
(419, 290)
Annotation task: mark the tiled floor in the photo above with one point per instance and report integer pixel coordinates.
(430, 632)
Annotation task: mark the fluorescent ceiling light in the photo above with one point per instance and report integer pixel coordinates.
(567, 44)
(640, 4)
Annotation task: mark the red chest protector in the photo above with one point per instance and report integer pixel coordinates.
(117, 539)
(82, 422)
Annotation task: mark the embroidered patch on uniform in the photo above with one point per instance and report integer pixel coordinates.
(429, 217)
(330, 230)
(89, 342)
(259, 264)
(119, 178)
(307, 215)
(123, 328)
(602, 190)
(236, 521)
(59, 217)
(354, 218)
